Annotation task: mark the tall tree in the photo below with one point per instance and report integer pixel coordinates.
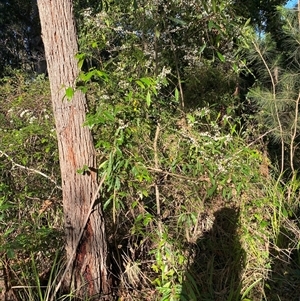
(88, 273)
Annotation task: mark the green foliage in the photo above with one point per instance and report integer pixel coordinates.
(41, 287)
(263, 15)
(277, 90)
(129, 41)
(209, 85)
(276, 95)
(161, 176)
(193, 208)
(29, 193)
(167, 169)
(169, 260)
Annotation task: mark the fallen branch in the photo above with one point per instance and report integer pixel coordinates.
(14, 164)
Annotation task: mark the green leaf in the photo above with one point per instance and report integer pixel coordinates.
(106, 204)
(167, 285)
(10, 253)
(202, 48)
(102, 74)
(157, 33)
(85, 77)
(214, 5)
(83, 89)
(147, 219)
(148, 81)
(235, 68)
(94, 44)
(177, 21)
(211, 24)
(84, 169)
(191, 118)
(148, 99)
(134, 204)
(284, 212)
(80, 57)
(117, 183)
(211, 191)
(69, 93)
(176, 95)
(140, 84)
(221, 57)
(247, 22)
(7, 232)
(264, 224)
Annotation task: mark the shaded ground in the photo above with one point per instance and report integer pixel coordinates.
(284, 279)
(217, 262)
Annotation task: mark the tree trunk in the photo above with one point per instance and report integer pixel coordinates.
(88, 275)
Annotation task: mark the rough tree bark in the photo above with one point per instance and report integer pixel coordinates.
(89, 272)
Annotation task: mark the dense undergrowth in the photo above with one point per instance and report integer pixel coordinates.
(193, 207)
(30, 192)
(198, 201)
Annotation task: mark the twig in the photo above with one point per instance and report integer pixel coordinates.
(298, 9)
(156, 166)
(267, 67)
(178, 73)
(275, 103)
(292, 147)
(72, 258)
(27, 286)
(171, 174)
(28, 169)
(294, 134)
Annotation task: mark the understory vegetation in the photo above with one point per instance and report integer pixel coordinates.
(195, 124)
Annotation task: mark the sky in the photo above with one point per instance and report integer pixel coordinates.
(291, 3)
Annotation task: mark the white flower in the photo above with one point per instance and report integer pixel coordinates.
(24, 112)
(31, 120)
(123, 84)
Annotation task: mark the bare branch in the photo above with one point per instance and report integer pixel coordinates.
(14, 164)
(274, 81)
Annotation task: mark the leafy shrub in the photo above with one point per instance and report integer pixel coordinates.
(29, 180)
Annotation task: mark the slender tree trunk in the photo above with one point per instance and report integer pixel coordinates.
(88, 274)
